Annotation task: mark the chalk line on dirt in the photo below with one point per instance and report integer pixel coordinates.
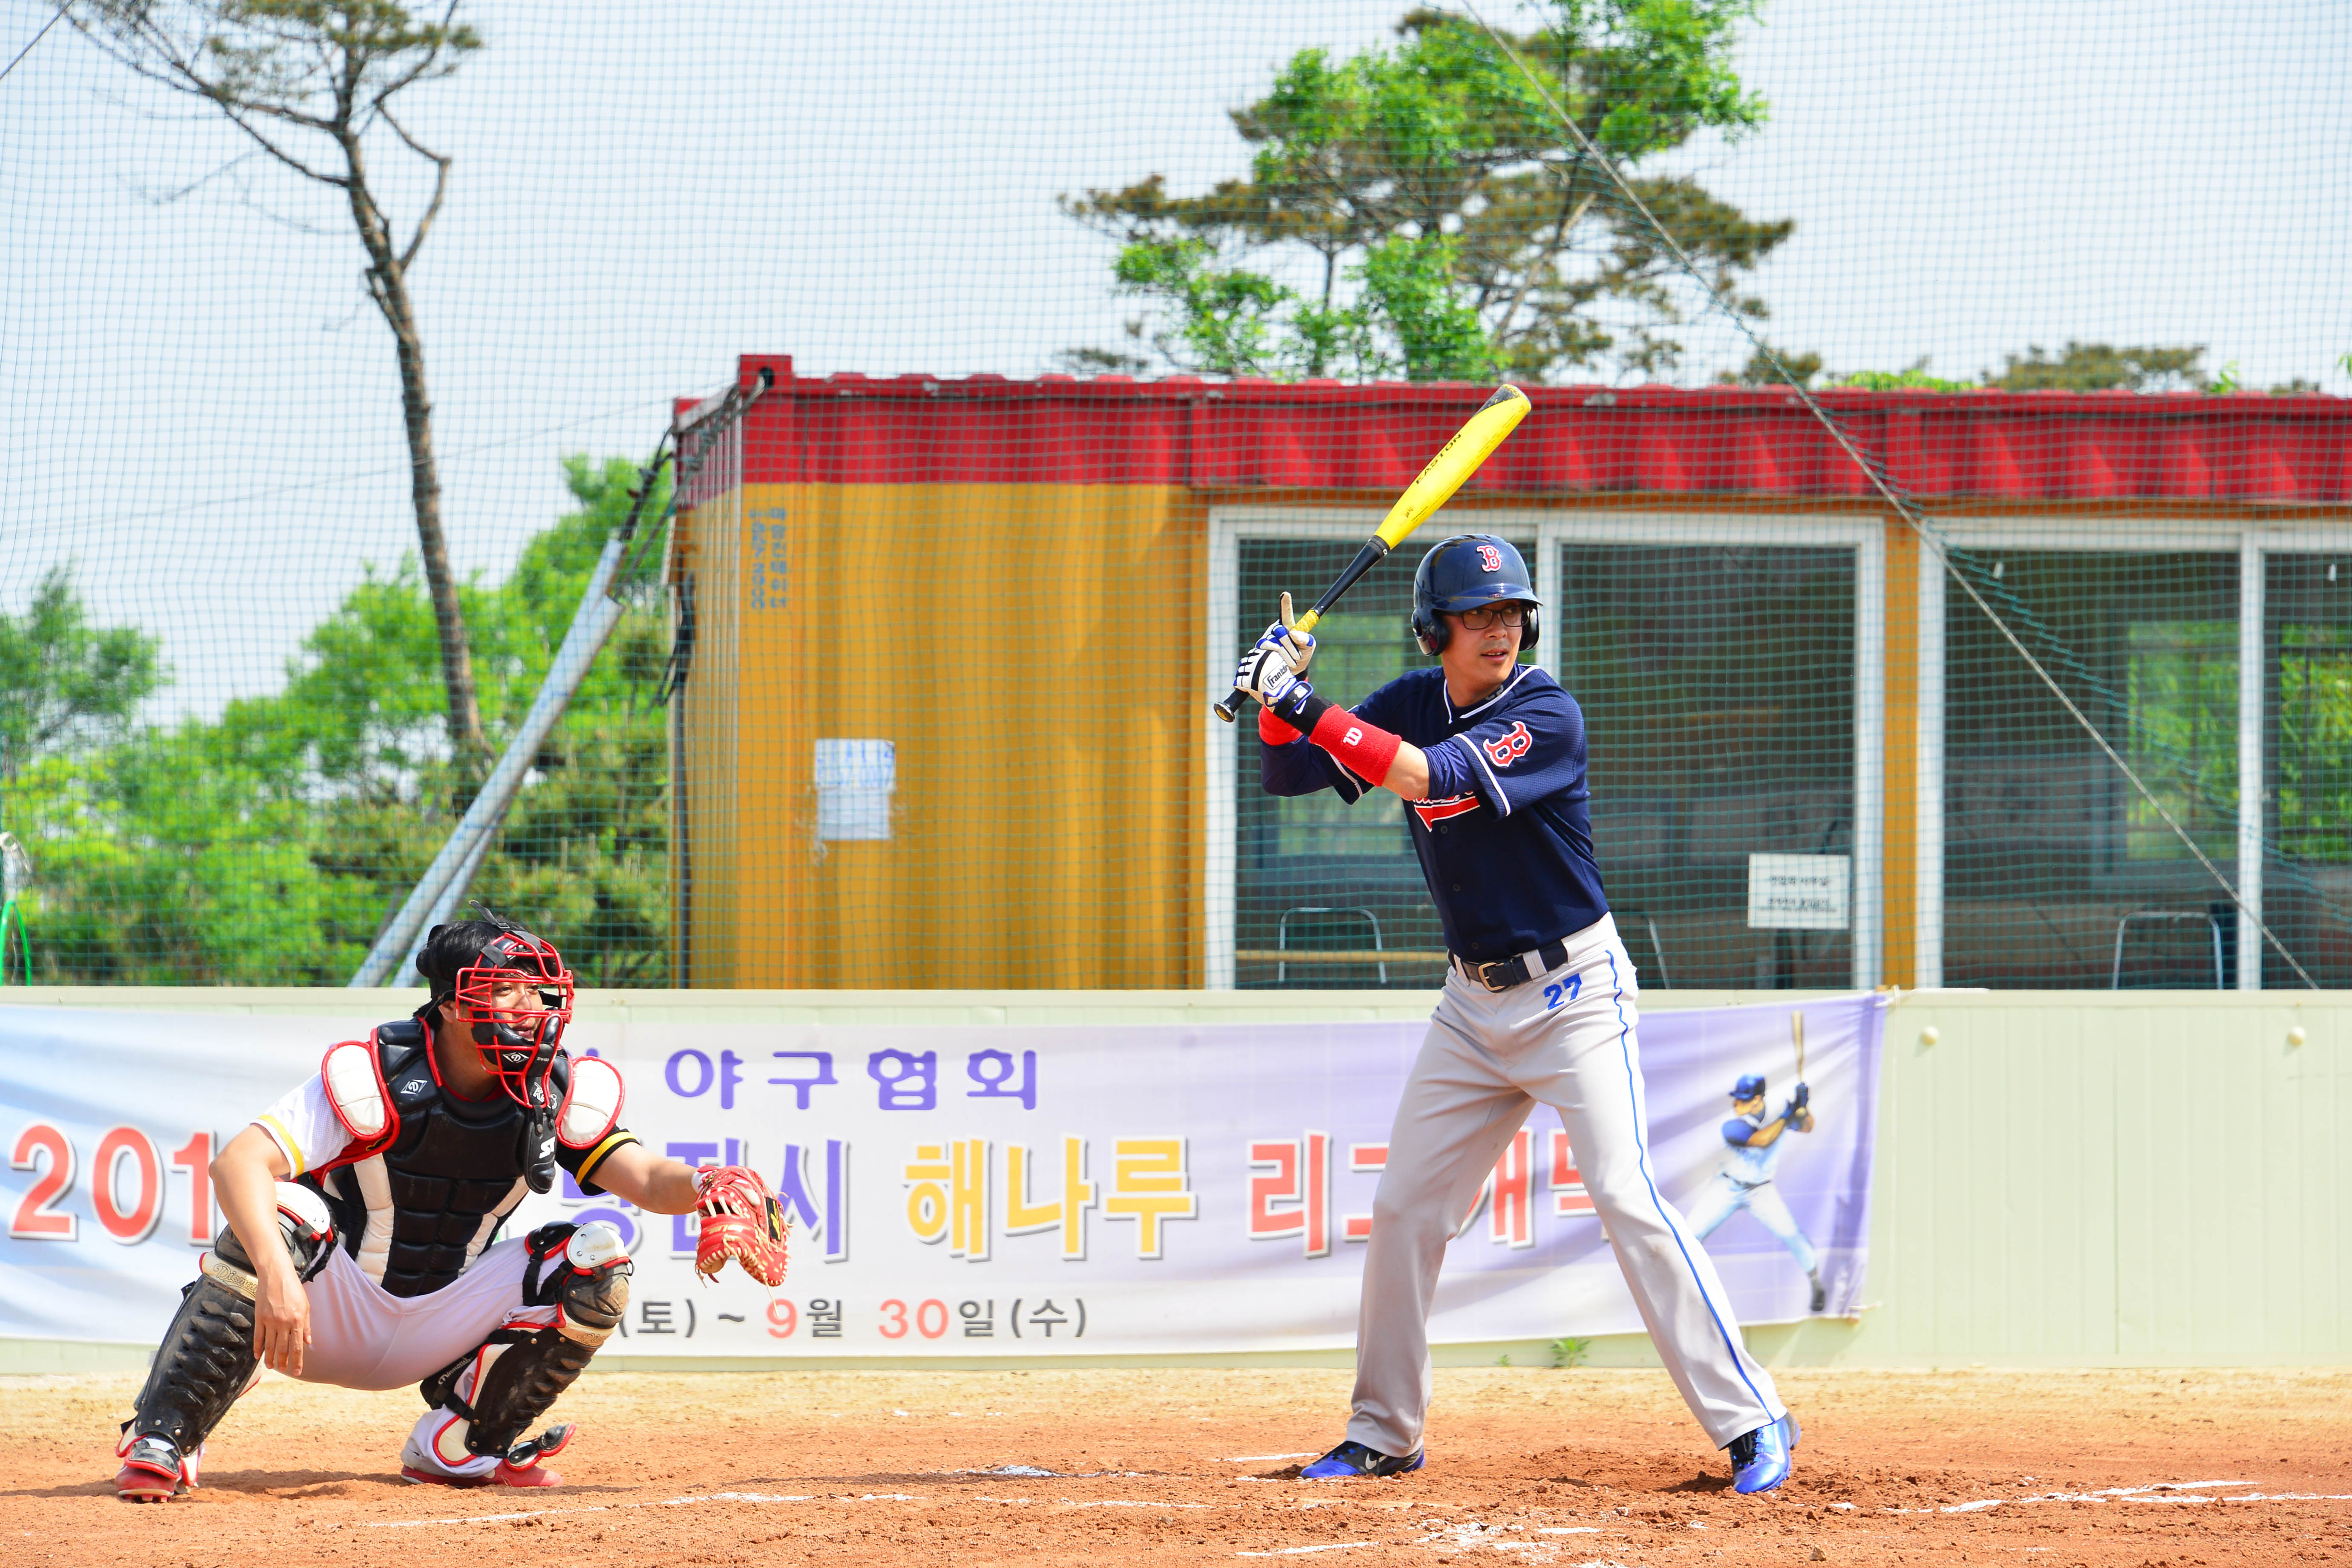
(2175, 1492)
(1302, 1551)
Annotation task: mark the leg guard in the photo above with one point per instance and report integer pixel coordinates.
(207, 1357)
(575, 1293)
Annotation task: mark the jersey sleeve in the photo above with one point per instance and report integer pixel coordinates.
(1737, 1133)
(304, 1126)
(1533, 747)
(1302, 767)
(584, 1164)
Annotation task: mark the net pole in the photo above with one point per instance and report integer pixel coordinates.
(592, 626)
(444, 907)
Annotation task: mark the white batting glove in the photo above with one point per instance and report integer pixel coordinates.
(1265, 674)
(1298, 647)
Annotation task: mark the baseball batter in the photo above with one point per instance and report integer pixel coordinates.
(364, 1209)
(1745, 1182)
(1539, 1003)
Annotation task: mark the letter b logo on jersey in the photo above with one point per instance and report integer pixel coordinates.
(1505, 749)
(1489, 558)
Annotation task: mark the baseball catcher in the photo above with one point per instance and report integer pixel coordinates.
(363, 1214)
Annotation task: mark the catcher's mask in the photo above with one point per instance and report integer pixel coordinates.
(514, 993)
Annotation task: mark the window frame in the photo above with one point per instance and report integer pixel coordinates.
(2253, 541)
(1551, 527)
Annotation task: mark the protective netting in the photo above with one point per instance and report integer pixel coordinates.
(1939, 482)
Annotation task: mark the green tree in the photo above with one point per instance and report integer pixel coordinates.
(2099, 367)
(1768, 366)
(1451, 226)
(1913, 377)
(63, 682)
(266, 846)
(312, 83)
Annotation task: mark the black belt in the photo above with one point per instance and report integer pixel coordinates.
(1506, 972)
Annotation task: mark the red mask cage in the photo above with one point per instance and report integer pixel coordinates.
(517, 1036)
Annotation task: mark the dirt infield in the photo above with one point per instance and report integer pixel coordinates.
(1577, 1468)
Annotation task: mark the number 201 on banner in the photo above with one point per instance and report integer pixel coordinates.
(126, 1185)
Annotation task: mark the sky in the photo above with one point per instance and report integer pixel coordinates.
(199, 411)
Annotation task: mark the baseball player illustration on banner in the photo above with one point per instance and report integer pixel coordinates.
(1538, 1002)
(1745, 1180)
(364, 1209)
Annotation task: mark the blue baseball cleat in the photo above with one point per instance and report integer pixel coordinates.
(1761, 1459)
(1352, 1461)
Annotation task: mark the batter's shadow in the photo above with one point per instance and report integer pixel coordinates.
(1702, 1482)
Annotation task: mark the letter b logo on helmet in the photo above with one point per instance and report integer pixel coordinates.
(1461, 573)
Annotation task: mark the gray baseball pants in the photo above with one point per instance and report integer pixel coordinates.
(1566, 1039)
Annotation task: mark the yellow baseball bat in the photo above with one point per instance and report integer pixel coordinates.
(1430, 489)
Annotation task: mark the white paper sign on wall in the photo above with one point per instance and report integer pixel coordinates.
(854, 782)
(1799, 892)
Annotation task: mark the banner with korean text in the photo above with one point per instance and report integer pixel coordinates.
(994, 1190)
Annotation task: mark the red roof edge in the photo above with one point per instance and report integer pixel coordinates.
(848, 428)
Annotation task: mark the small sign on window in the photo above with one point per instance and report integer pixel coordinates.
(1799, 892)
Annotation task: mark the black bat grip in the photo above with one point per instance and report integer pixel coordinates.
(1366, 558)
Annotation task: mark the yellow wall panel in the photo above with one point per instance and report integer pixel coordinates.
(1032, 653)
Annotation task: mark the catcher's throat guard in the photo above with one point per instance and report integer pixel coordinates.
(517, 997)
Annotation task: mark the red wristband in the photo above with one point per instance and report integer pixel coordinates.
(1366, 750)
(1273, 731)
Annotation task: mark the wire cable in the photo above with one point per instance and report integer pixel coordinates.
(28, 49)
(1879, 481)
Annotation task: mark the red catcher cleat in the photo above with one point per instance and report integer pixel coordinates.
(518, 1466)
(153, 1471)
(505, 1474)
(508, 1473)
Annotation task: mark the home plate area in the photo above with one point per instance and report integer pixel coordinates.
(1577, 1468)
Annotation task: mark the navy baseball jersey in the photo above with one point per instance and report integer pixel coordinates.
(1505, 840)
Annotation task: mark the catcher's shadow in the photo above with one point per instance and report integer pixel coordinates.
(299, 1485)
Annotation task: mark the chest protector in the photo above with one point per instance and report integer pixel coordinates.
(430, 1177)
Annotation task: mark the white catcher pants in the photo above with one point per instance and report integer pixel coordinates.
(362, 1336)
(1490, 1056)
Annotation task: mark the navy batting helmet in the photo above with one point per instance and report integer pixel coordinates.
(1749, 1088)
(1461, 573)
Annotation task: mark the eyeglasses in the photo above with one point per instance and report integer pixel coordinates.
(1511, 612)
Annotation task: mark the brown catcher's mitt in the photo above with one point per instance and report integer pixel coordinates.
(741, 1220)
